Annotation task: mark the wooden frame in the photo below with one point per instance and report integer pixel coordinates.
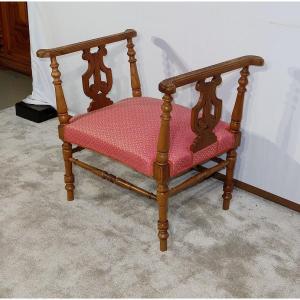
(202, 126)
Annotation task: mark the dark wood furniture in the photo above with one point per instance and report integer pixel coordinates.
(14, 37)
(204, 117)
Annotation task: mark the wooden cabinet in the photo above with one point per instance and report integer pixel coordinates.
(14, 37)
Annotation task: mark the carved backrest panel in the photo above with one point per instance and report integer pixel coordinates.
(99, 89)
(206, 113)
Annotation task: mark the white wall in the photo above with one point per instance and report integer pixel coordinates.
(178, 37)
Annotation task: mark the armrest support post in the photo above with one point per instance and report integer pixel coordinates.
(134, 75)
(61, 106)
(237, 112)
(161, 165)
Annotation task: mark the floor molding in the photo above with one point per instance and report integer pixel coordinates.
(261, 193)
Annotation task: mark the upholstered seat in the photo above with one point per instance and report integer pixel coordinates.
(128, 132)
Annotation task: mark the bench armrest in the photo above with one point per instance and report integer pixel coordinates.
(170, 84)
(129, 33)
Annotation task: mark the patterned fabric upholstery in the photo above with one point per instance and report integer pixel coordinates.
(128, 131)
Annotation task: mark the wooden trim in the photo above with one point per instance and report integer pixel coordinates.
(113, 179)
(197, 178)
(172, 83)
(134, 75)
(210, 106)
(129, 33)
(97, 88)
(261, 193)
(61, 105)
(161, 170)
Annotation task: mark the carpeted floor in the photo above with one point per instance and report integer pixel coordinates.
(104, 243)
(14, 87)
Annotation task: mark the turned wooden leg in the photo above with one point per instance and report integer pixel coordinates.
(163, 225)
(228, 184)
(69, 177)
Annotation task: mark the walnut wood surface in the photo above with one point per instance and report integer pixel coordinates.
(161, 171)
(203, 126)
(61, 105)
(113, 179)
(237, 113)
(63, 120)
(235, 125)
(197, 178)
(134, 76)
(99, 89)
(129, 33)
(69, 177)
(228, 183)
(172, 83)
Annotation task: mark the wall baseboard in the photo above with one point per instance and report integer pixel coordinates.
(261, 193)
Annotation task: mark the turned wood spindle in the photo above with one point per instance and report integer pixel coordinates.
(61, 106)
(237, 112)
(63, 118)
(162, 171)
(228, 183)
(69, 177)
(134, 75)
(235, 125)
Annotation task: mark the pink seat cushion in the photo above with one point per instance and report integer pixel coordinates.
(128, 131)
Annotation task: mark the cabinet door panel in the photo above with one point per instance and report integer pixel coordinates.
(1, 31)
(15, 52)
(18, 27)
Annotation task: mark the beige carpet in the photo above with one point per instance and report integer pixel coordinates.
(104, 243)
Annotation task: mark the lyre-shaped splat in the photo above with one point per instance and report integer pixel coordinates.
(98, 90)
(204, 124)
